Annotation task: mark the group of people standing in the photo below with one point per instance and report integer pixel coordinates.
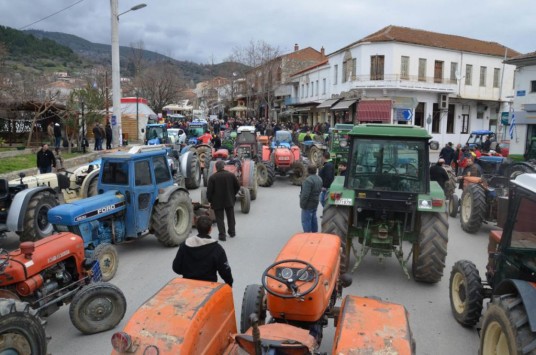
(100, 134)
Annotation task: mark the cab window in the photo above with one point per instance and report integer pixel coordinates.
(143, 173)
(115, 173)
(161, 170)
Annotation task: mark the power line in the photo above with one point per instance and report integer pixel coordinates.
(55, 13)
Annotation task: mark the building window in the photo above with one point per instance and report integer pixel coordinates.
(450, 119)
(436, 119)
(324, 86)
(313, 88)
(533, 86)
(468, 74)
(354, 68)
(336, 68)
(306, 90)
(404, 68)
(453, 71)
(496, 75)
(422, 69)
(376, 67)
(317, 88)
(483, 76)
(465, 123)
(438, 71)
(344, 71)
(301, 94)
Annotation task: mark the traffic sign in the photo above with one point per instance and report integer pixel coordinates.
(404, 114)
(114, 120)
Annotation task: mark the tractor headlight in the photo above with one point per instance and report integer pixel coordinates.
(343, 143)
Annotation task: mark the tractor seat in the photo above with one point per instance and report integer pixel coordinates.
(63, 181)
(282, 338)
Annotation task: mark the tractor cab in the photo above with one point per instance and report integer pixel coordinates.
(530, 154)
(246, 145)
(282, 139)
(196, 129)
(156, 134)
(476, 138)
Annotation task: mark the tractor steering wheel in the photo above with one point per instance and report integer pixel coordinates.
(4, 258)
(292, 280)
(390, 167)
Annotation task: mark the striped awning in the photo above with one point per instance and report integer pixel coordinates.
(328, 103)
(343, 105)
(374, 111)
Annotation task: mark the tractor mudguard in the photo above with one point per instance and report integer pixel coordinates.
(266, 153)
(164, 196)
(526, 290)
(87, 181)
(295, 152)
(17, 211)
(186, 163)
(339, 195)
(187, 148)
(430, 202)
(374, 325)
(248, 173)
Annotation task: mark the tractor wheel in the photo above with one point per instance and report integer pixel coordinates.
(172, 220)
(92, 189)
(505, 328)
(21, 331)
(97, 307)
(473, 208)
(262, 174)
(36, 225)
(204, 198)
(454, 204)
(245, 200)
(315, 156)
(466, 293)
(336, 220)
(253, 190)
(430, 251)
(194, 173)
(517, 169)
(254, 301)
(299, 173)
(106, 255)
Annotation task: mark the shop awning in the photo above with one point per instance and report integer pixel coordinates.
(328, 103)
(374, 111)
(343, 105)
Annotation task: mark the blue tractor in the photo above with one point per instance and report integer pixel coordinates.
(156, 133)
(136, 196)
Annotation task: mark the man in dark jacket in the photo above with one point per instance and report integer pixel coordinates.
(98, 137)
(200, 257)
(447, 153)
(439, 174)
(45, 159)
(309, 198)
(327, 174)
(109, 135)
(222, 188)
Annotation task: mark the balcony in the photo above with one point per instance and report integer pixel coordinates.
(403, 82)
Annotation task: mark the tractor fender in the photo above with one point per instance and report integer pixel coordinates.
(87, 180)
(248, 173)
(295, 152)
(266, 153)
(526, 291)
(186, 162)
(166, 194)
(15, 217)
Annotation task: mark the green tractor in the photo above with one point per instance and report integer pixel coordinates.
(509, 322)
(386, 198)
(338, 144)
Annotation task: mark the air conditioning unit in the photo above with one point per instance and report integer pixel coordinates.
(444, 102)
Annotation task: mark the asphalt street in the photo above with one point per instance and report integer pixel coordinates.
(145, 266)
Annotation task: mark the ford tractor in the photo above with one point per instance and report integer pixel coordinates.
(52, 272)
(387, 198)
(136, 196)
(286, 157)
(508, 325)
(285, 314)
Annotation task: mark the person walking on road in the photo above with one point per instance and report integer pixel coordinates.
(222, 188)
(109, 136)
(327, 174)
(45, 160)
(200, 257)
(309, 198)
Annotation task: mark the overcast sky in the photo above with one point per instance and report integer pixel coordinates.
(206, 31)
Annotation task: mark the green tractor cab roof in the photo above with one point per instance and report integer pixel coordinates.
(389, 130)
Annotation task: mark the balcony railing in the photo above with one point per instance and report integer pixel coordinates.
(405, 78)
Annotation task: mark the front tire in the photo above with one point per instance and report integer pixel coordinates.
(194, 173)
(454, 204)
(36, 225)
(505, 328)
(254, 301)
(336, 220)
(315, 156)
(172, 220)
(473, 208)
(97, 307)
(106, 255)
(21, 331)
(299, 173)
(430, 251)
(466, 293)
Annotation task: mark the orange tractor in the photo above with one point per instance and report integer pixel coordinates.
(299, 290)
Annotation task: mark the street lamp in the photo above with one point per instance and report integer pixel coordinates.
(116, 79)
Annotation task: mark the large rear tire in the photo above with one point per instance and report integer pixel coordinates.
(172, 220)
(192, 177)
(97, 307)
(430, 251)
(21, 331)
(466, 293)
(36, 225)
(245, 200)
(254, 301)
(336, 220)
(299, 173)
(450, 185)
(505, 328)
(106, 255)
(473, 208)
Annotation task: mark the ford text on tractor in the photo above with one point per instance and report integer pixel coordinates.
(136, 196)
(387, 198)
(508, 325)
(284, 314)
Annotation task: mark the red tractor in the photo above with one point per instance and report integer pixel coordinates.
(284, 315)
(54, 271)
(286, 157)
(246, 173)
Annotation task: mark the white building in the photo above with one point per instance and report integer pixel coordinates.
(524, 103)
(450, 85)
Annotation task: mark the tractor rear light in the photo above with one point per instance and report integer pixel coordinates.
(151, 350)
(335, 195)
(437, 202)
(121, 342)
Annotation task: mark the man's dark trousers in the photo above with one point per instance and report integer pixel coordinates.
(229, 211)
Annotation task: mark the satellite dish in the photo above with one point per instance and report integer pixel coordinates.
(458, 75)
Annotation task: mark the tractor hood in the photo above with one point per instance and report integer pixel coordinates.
(48, 179)
(88, 209)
